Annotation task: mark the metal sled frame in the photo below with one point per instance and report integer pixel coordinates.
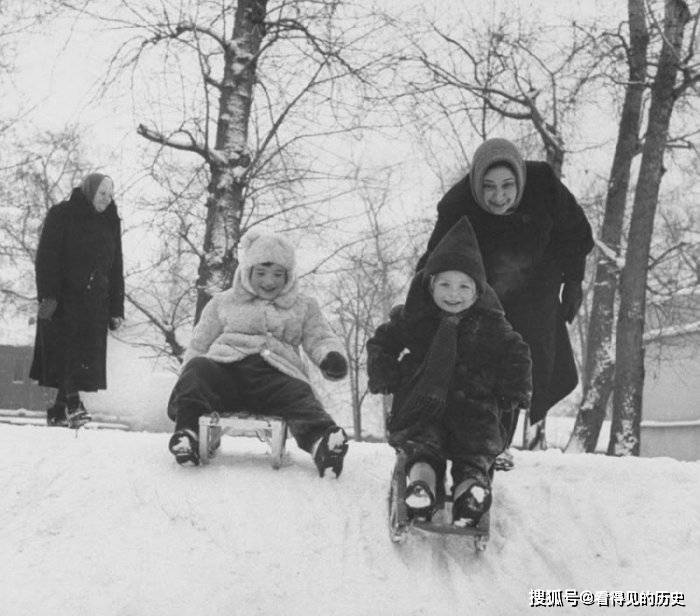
(400, 524)
(268, 428)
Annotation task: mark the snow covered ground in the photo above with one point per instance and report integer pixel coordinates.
(106, 523)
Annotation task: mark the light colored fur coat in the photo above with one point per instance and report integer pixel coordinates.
(237, 323)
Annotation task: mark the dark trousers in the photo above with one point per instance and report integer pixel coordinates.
(250, 384)
(430, 446)
(468, 434)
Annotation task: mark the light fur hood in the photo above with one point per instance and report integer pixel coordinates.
(258, 247)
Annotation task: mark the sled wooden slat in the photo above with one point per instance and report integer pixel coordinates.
(400, 525)
(268, 428)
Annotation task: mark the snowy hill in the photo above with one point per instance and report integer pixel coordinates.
(106, 523)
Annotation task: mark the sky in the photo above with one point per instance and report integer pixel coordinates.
(59, 70)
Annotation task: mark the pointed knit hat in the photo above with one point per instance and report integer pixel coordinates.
(492, 152)
(458, 250)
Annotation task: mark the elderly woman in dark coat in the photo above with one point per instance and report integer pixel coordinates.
(534, 238)
(80, 288)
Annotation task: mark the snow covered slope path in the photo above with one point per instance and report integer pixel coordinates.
(107, 524)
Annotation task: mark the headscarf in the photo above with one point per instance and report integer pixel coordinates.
(490, 153)
(91, 183)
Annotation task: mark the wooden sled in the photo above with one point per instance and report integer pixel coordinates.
(268, 428)
(400, 523)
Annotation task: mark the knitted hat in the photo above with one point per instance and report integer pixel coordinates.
(490, 153)
(91, 183)
(458, 250)
(258, 247)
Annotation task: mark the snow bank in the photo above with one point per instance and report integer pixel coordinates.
(137, 390)
(106, 523)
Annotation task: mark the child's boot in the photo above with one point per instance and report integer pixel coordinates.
(471, 499)
(184, 445)
(420, 491)
(329, 451)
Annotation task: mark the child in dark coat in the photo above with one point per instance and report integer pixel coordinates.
(463, 367)
(245, 354)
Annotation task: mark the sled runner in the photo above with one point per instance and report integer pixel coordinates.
(400, 522)
(269, 429)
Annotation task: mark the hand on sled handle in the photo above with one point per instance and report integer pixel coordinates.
(115, 323)
(47, 307)
(571, 298)
(334, 366)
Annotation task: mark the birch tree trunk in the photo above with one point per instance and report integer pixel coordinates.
(629, 355)
(599, 361)
(225, 200)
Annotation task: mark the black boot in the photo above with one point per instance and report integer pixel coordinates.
(330, 450)
(56, 415)
(184, 445)
(78, 416)
(472, 499)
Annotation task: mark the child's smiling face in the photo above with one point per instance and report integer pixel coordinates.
(268, 280)
(453, 291)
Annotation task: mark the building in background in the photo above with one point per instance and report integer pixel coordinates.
(671, 404)
(17, 390)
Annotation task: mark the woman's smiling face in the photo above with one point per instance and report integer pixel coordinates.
(500, 189)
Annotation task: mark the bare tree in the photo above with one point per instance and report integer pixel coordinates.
(43, 173)
(16, 18)
(514, 72)
(598, 369)
(369, 280)
(160, 281)
(629, 354)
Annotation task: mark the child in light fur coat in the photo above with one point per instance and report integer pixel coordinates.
(244, 354)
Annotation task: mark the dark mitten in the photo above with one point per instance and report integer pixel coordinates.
(384, 374)
(115, 323)
(571, 298)
(334, 366)
(47, 307)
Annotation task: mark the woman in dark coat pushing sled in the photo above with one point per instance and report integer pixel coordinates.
(534, 238)
(80, 288)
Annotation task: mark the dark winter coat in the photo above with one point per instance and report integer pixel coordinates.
(79, 263)
(528, 255)
(491, 373)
